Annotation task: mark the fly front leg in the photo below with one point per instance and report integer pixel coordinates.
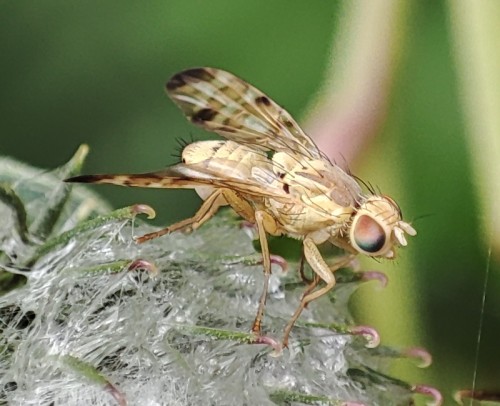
(264, 223)
(205, 212)
(323, 272)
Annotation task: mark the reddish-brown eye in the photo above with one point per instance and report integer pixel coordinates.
(368, 235)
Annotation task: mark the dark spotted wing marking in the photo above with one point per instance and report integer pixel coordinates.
(223, 103)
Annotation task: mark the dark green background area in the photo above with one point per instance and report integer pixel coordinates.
(75, 73)
(93, 72)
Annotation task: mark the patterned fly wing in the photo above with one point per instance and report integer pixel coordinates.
(187, 176)
(223, 103)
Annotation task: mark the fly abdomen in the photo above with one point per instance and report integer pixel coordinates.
(223, 157)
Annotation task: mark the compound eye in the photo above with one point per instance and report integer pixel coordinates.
(368, 235)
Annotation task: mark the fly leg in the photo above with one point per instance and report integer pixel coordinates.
(323, 272)
(207, 210)
(264, 222)
(312, 282)
(302, 274)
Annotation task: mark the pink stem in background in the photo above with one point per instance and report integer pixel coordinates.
(353, 107)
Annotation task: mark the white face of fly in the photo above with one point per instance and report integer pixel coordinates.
(377, 228)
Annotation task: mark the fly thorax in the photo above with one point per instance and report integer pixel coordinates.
(377, 227)
(303, 178)
(314, 177)
(283, 163)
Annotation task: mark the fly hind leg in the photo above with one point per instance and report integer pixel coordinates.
(205, 212)
(264, 223)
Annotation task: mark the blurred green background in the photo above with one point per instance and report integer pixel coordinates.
(93, 72)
